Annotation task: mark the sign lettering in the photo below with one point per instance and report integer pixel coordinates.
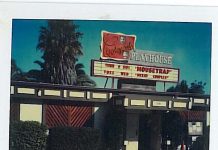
(116, 46)
(150, 58)
(122, 70)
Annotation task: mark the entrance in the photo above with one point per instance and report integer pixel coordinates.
(150, 131)
(144, 132)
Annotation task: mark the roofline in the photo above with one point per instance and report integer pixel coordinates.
(123, 91)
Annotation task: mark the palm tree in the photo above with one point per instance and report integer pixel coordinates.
(82, 78)
(59, 42)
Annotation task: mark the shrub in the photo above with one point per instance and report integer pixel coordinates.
(27, 135)
(70, 138)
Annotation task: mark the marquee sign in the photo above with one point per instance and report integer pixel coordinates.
(131, 71)
(116, 46)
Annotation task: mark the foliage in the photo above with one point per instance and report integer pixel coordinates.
(70, 138)
(27, 135)
(18, 75)
(16, 72)
(60, 46)
(195, 87)
(14, 68)
(114, 128)
(82, 78)
(59, 42)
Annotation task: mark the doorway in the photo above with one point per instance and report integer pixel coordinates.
(144, 132)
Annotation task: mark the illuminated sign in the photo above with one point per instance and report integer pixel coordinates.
(122, 70)
(116, 46)
(150, 58)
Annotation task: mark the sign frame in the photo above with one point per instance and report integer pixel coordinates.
(117, 62)
(118, 34)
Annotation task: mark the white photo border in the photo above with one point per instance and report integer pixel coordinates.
(25, 10)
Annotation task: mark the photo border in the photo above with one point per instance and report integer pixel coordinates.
(127, 12)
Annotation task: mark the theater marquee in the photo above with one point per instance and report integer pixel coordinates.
(122, 70)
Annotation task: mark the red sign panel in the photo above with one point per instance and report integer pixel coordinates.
(116, 45)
